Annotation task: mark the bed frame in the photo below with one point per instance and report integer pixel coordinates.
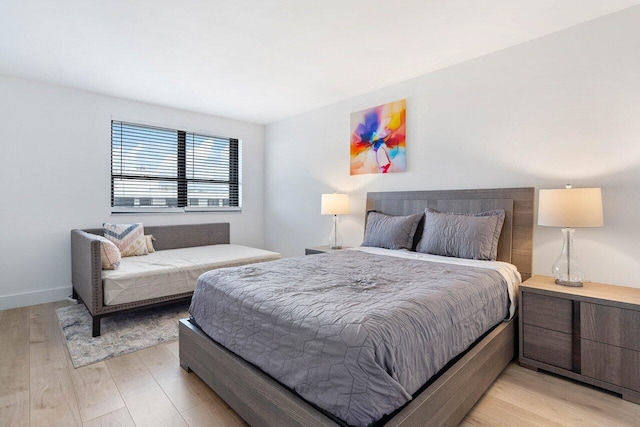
(262, 401)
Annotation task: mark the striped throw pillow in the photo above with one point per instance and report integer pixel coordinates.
(129, 238)
(110, 254)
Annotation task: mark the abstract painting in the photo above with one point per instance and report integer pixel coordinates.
(378, 141)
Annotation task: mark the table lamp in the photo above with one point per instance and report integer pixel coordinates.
(570, 208)
(334, 204)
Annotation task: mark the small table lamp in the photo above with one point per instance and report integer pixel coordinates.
(334, 204)
(569, 208)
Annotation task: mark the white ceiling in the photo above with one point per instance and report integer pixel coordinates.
(263, 60)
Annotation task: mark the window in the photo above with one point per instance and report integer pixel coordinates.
(156, 170)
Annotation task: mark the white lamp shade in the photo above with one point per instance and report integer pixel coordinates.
(570, 207)
(335, 204)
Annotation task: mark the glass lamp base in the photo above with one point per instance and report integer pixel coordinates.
(335, 242)
(567, 269)
(568, 283)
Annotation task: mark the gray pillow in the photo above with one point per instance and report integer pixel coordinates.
(462, 236)
(390, 232)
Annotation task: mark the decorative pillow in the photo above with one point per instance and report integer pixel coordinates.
(496, 234)
(390, 232)
(149, 239)
(462, 236)
(110, 254)
(129, 238)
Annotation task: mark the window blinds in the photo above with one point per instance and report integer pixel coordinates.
(153, 167)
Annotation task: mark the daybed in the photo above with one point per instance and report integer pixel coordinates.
(323, 341)
(183, 252)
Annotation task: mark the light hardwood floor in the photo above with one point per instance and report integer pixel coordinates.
(40, 387)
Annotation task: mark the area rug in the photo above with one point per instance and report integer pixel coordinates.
(121, 333)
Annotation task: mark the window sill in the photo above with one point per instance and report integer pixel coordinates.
(146, 211)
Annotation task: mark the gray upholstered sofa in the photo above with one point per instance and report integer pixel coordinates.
(89, 281)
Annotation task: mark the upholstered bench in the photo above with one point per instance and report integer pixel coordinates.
(183, 253)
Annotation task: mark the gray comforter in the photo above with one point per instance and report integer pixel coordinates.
(354, 333)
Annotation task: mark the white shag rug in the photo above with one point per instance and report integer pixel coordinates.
(121, 333)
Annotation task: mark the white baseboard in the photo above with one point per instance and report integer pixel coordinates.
(33, 298)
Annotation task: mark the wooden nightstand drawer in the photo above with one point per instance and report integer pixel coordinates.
(610, 325)
(547, 312)
(547, 346)
(589, 333)
(611, 364)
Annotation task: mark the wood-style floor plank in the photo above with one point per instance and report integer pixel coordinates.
(96, 391)
(147, 403)
(184, 390)
(118, 418)
(555, 400)
(53, 400)
(14, 367)
(46, 340)
(14, 409)
(52, 397)
(173, 347)
(494, 412)
(212, 413)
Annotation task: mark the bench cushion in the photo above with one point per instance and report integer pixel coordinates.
(173, 271)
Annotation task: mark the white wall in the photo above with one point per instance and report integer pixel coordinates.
(55, 176)
(562, 108)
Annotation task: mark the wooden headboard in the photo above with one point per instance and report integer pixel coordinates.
(516, 240)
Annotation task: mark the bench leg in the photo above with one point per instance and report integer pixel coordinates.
(96, 326)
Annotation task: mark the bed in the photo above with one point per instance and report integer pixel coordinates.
(347, 330)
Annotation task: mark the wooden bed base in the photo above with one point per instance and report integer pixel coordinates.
(262, 401)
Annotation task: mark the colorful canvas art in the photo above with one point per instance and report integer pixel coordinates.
(378, 141)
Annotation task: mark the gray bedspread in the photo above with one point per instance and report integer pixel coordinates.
(354, 333)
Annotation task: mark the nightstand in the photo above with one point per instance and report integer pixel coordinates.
(321, 250)
(589, 334)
